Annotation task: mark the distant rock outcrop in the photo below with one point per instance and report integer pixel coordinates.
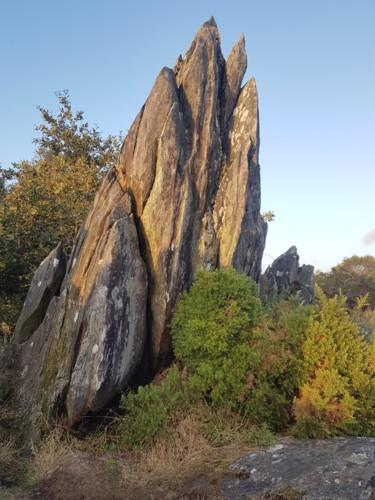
(285, 277)
(185, 194)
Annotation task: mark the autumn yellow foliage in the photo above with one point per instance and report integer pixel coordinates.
(337, 394)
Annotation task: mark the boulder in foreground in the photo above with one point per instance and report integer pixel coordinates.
(340, 469)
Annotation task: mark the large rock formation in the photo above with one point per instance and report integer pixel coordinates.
(185, 194)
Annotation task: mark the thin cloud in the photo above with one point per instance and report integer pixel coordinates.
(369, 238)
(268, 256)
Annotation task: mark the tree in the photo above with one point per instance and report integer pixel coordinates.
(67, 135)
(43, 201)
(354, 276)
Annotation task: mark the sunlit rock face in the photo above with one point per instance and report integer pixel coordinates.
(184, 195)
(190, 163)
(93, 333)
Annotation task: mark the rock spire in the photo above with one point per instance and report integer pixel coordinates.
(185, 194)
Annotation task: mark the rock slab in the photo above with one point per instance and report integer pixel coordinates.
(44, 285)
(340, 469)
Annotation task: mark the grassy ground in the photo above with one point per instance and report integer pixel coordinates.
(188, 461)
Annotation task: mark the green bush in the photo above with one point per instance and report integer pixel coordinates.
(259, 368)
(239, 355)
(212, 334)
(149, 410)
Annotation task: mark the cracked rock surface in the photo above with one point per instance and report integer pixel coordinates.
(340, 469)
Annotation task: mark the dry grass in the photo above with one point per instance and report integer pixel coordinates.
(8, 456)
(53, 453)
(11, 467)
(182, 463)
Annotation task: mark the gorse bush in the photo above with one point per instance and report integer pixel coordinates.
(338, 391)
(213, 334)
(155, 411)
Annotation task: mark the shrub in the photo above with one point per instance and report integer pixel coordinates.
(325, 406)
(239, 356)
(257, 368)
(338, 392)
(212, 333)
(150, 409)
(280, 371)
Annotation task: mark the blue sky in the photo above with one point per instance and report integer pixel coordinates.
(314, 64)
